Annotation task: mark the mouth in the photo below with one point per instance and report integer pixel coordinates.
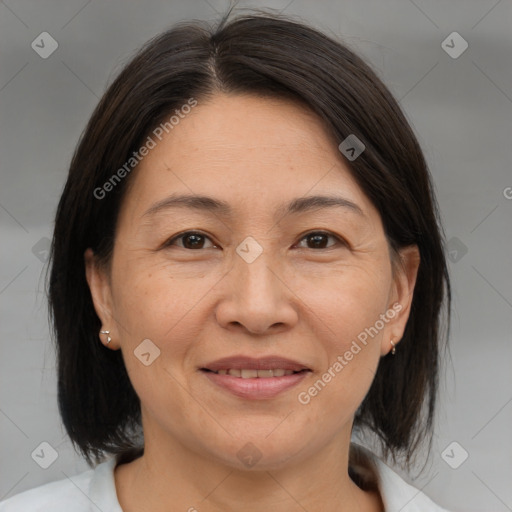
(255, 379)
(248, 373)
(248, 365)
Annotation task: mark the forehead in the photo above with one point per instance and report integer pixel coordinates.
(256, 151)
(242, 126)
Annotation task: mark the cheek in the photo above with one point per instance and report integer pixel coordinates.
(153, 302)
(347, 314)
(150, 297)
(346, 302)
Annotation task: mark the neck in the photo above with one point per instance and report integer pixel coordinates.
(176, 479)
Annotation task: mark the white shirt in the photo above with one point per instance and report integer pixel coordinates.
(95, 490)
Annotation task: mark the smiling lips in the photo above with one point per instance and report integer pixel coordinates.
(252, 378)
(247, 373)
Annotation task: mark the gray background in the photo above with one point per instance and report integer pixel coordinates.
(461, 110)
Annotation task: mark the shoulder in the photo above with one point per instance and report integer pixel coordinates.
(401, 496)
(397, 495)
(63, 495)
(78, 493)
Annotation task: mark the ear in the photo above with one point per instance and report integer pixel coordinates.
(101, 293)
(405, 273)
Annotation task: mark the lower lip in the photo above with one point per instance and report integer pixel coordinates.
(257, 388)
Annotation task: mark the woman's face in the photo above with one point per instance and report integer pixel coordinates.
(243, 272)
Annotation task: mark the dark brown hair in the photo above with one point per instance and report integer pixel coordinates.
(267, 55)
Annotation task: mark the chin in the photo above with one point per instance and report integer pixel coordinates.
(260, 453)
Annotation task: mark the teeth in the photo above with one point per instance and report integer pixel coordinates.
(252, 374)
(248, 374)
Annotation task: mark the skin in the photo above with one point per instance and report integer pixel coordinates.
(298, 300)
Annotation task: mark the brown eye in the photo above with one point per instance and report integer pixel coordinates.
(319, 240)
(190, 240)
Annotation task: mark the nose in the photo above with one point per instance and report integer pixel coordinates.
(258, 298)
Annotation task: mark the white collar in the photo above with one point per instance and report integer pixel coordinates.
(397, 495)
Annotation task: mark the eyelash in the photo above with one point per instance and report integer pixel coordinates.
(306, 235)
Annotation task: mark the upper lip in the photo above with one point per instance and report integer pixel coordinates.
(254, 363)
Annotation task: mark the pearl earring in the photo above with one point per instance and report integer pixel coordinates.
(109, 339)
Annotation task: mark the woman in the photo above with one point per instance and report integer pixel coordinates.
(247, 269)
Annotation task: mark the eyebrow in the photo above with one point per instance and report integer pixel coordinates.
(217, 206)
